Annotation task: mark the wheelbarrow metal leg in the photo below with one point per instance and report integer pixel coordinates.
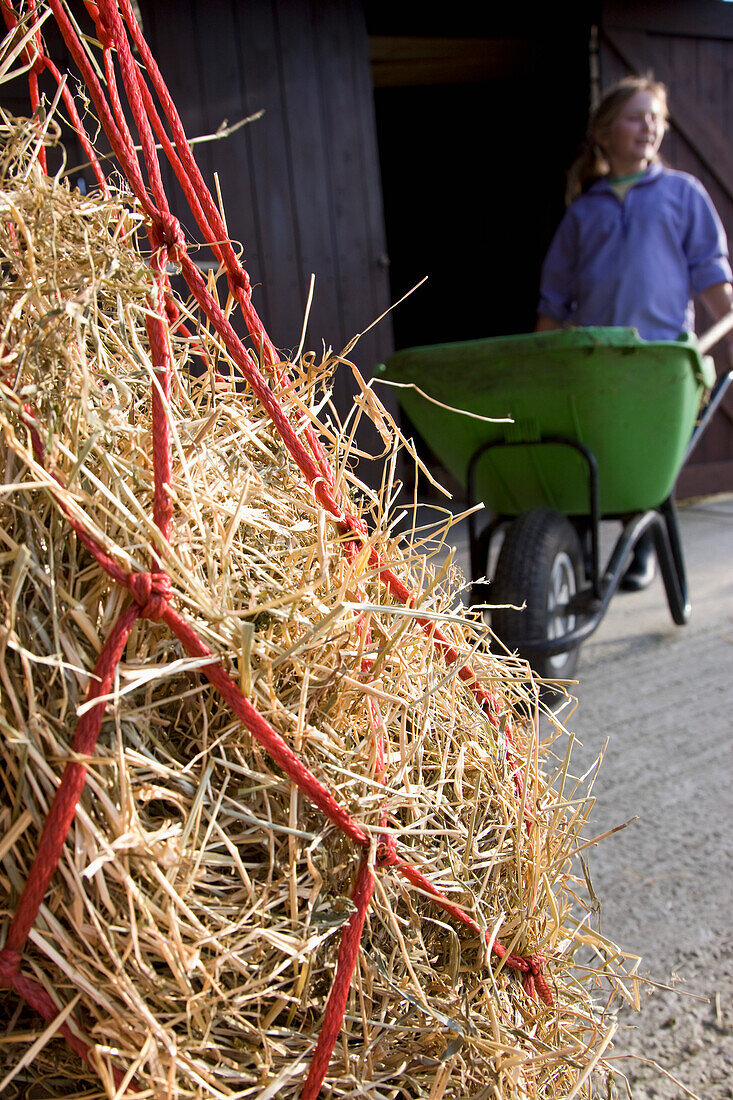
(671, 562)
(667, 543)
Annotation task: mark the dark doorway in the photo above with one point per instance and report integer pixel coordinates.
(475, 136)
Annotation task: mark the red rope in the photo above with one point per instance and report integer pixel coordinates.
(529, 966)
(268, 737)
(348, 954)
(152, 591)
(72, 783)
(78, 125)
(362, 893)
(158, 341)
(35, 59)
(198, 195)
(42, 1003)
(55, 830)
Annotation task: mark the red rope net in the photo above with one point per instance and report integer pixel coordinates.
(151, 592)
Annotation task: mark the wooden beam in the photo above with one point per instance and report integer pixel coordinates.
(699, 131)
(402, 60)
(691, 18)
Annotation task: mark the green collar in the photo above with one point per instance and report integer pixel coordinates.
(626, 179)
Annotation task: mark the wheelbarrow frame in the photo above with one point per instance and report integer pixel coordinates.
(589, 605)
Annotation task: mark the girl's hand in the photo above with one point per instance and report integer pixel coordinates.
(546, 324)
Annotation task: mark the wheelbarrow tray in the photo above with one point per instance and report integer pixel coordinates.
(632, 403)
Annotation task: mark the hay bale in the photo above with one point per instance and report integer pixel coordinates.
(193, 922)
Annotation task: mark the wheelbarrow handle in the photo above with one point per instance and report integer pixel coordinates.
(717, 394)
(717, 332)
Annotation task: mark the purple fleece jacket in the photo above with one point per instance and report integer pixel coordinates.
(637, 263)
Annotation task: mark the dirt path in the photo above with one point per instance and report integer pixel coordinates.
(663, 697)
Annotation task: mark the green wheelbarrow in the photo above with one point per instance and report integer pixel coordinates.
(601, 423)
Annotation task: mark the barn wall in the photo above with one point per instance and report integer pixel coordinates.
(300, 186)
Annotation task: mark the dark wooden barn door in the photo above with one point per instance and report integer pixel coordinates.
(300, 186)
(689, 45)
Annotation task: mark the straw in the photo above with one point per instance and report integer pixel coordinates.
(197, 908)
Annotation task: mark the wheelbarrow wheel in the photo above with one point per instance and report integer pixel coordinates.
(539, 565)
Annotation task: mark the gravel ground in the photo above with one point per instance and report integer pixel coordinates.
(660, 697)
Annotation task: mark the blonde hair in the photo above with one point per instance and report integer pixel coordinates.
(592, 164)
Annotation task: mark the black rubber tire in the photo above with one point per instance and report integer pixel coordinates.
(540, 560)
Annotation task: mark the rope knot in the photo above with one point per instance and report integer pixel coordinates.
(239, 280)
(534, 980)
(39, 64)
(535, 964)
(386, 854)
(531, 968)
(151, 592)
(102, 25)
(167, 233)
(9, 965)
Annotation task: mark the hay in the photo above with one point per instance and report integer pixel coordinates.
(193, 922)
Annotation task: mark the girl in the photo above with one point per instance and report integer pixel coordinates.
(638, 242)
